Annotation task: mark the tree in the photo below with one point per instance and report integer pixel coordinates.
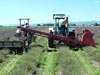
(96, 24)
(1, 25)
(38, 24)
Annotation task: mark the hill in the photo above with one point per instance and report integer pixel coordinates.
(85, 22)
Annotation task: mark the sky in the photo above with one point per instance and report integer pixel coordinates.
(41, 11)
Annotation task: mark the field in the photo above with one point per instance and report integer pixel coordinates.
(60, 61)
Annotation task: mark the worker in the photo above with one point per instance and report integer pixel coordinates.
(19, 33)
(26, 25)
(63, 28)
(51, 41)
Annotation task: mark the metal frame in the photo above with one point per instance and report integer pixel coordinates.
(58, 17)
(10, 44)
(27, 19)
(57, 37)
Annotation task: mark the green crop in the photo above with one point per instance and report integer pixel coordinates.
(87, 63)
(10, 65)
(48, 63)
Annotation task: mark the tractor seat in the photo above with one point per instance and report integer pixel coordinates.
(71, 35)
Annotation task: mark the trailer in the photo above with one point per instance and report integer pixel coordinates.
(18, 43)
(15, 44)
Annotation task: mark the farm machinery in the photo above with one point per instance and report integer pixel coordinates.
(64, 33)
(18, 42)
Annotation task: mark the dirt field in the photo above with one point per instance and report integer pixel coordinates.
(94, 29)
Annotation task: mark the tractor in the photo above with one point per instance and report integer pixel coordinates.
(20, 41)
(62, 28)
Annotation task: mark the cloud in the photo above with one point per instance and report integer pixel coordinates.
(96, 1)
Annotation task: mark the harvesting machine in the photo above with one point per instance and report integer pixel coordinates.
(64, 33)
(61, 32)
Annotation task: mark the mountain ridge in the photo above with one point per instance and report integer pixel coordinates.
(77, 23)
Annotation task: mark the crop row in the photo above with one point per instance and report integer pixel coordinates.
(68, 63)
(12, 66)
(87, 63)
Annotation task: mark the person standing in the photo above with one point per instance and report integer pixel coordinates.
(25, 26)
(51, 41)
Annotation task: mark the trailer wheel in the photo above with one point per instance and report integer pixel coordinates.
(20, 50)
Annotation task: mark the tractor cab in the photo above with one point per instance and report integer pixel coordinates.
(61, 24)
(24, 22)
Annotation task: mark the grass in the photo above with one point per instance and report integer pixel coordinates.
(78, 62)
(22, 65)
(12, 66)
(3, 54)
(63, 62)
(87, 63)
(93, 53)
(68, 64)
(48, 63)
(28, 62)
(2, 29)
(6, 32)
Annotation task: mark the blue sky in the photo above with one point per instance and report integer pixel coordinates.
(41, 11)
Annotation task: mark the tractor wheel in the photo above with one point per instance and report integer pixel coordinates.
(26, 50)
